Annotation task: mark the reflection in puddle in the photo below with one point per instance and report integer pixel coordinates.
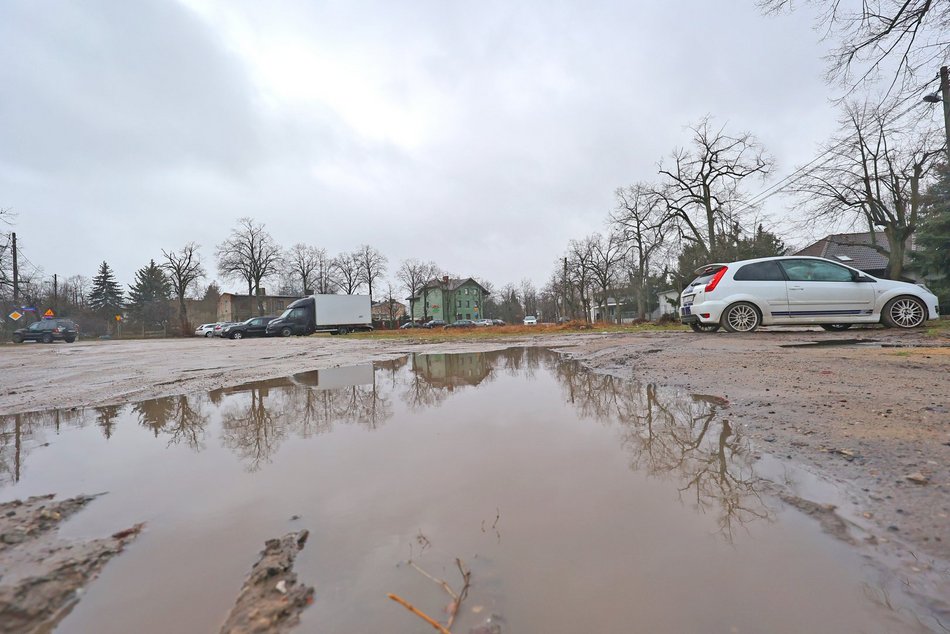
(580, 502)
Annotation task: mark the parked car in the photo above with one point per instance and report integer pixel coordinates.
(530, 320)
(795, 290)
(435, 323)
(460, 323)
(410, 324)
(483, 322)
(253, 327)
(48, 331)
(219, 328)
(498, 322)
(205, 330)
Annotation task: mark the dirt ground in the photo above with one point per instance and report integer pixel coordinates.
(871, 418)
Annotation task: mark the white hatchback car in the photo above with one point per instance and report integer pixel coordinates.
(530, 320)
(205, 330)
(796, 290)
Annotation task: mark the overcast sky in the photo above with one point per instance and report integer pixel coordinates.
(483, 136)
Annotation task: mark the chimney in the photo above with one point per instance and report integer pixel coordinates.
(445, 279)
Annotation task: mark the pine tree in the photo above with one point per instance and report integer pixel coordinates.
(932, 256)
(106, 295)
(148, 297)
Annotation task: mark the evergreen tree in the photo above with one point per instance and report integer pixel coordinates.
(730, 247)
(932, 257)
(148, 297)
(106, 295)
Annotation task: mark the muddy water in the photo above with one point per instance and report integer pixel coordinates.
(580, 503)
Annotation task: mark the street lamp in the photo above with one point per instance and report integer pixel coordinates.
(943, 95)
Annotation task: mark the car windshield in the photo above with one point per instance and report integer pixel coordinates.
(285, 314)
(706, 275)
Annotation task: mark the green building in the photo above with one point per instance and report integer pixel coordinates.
(449, 300)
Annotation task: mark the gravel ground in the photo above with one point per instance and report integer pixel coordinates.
(865, 410)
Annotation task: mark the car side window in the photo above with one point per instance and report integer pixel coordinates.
(815, 271)
(759, 272)
(36, 326)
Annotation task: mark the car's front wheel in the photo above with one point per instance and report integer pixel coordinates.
(286, 331)
(237, 335)
(698, 327)
(835, 327)
(208, 334)
(47, 338)
(69, 339)
(741, 317)
(904, 312)
(17, 338)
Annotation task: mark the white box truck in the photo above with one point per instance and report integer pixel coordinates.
(336, 314)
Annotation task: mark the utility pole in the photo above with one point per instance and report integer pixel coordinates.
(16, 273)
(945, 94)
(55, 294)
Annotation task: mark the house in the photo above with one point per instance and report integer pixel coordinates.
(451, 371)
(235, 307)
(858, 251)
(448, 299)
(388, 311)
(668, 301)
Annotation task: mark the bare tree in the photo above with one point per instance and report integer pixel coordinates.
(325, 281)
(249, 254)
(347, 269)
(529, 297)
(641, 220)
(372, 266)
(413, 274)
(579, 257)
(702, 188)
(184, 270)
(874, 177)
(303, 262)
(907, 36)
(607, 254)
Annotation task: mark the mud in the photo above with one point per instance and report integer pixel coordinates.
(856, 436)
(271, 600)
(41, 574)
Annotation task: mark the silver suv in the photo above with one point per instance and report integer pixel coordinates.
(795, 290)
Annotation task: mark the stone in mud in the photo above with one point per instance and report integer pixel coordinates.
(918, 478)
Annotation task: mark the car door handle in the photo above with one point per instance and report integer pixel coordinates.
(796, 288)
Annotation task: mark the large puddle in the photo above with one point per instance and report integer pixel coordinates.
(580, 503)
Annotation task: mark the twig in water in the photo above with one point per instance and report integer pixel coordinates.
(422, 615)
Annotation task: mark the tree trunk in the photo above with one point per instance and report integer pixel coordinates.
(183, 316)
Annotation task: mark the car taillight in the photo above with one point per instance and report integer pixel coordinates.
(715, 280)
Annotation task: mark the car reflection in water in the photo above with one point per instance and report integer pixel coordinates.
(666, 433)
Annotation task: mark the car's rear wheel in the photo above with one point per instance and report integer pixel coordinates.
(741, 317)
(69, 339)
(343, 331)
(904, 312)
(237, 335)
(47, 338)
(286, 331)
(836, 327)
(698, 327)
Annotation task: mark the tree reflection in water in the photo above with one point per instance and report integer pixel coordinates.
(667, 434)
(671, 434)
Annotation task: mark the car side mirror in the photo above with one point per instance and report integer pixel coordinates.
(861, 277)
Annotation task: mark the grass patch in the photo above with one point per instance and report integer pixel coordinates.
(495, 332)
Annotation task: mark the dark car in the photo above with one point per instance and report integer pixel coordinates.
(410, 324)
(461, 323)
(253, 327)
(435, 323)
(498, 322)
(48, 331)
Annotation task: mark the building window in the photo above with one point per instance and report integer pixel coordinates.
(467, 305)
(459, 304)
(468, 316)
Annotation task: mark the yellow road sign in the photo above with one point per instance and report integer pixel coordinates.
(48, 313)
(15, 315)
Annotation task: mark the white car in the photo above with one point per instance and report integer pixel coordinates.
(530, 320)
(483, 322)
(205, 330)
(795, 290)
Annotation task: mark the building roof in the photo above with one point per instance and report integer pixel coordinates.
(239, 295)
(854, 249)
